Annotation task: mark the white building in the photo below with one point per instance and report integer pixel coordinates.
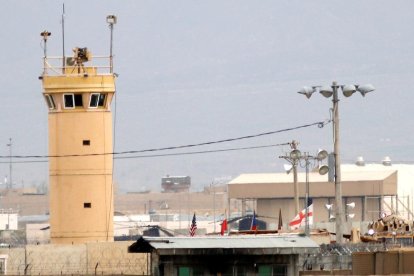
(8, 219)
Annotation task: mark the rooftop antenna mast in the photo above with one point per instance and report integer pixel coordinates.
(45, 34)
(63, 39)
(111, 20)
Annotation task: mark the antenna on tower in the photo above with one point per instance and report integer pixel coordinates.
(45, 34)
(111, 20)
(63, 39)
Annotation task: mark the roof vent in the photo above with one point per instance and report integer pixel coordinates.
(360, 161)
(386, 161)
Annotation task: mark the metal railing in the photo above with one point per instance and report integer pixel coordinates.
(53, 66)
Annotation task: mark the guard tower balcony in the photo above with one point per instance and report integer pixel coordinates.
(75, 65)
(80, 82)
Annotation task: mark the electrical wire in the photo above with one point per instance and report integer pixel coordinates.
(319, 124)
(166, 154)
(201, 152)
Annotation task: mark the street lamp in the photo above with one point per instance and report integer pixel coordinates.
(298, 157)
(332, 91)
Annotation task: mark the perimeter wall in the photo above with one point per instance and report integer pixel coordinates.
(101, 258)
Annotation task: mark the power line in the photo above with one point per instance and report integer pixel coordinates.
(319, 124)
(169, 154)
(201, 152)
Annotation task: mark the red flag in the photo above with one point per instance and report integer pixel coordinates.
(223, 226)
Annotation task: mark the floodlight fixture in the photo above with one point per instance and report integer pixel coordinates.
(364, 89)
(348, 90)
(307, 91)
(324, 169)
(329, 206)
(111, 19)
(45, 34)
(288, 168)
(322, 154)
(351, 216)
(351, 205)
(295, 154)
(326, 91)
(386, 161)
(360, 161)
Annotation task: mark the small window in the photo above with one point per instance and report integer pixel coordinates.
(72, 100)
(87, 205)
(101, 101)
(78, 100)
(274, 270)
(188, 271)
(50, 102)
(96, 100)
(69, 100)
(184, 271)
(86, 142)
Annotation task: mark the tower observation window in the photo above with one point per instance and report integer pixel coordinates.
(78, 100)
(69, 101)
(72, 100)
(97, 100)
(50, 102)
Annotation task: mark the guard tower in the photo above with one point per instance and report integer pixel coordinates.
(78, 97)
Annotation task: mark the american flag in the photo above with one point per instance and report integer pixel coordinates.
(193, 226)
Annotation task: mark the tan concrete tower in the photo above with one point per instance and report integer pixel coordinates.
(79, 97)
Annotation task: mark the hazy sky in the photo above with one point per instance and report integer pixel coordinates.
(200, 71)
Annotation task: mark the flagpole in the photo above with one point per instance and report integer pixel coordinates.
(225, 217)
(307, 197)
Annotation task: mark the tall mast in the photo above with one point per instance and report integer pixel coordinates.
(63, 39)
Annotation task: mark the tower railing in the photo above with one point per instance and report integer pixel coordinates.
(52, 66)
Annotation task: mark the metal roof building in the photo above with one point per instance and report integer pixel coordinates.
(228, 255)
(366, 192)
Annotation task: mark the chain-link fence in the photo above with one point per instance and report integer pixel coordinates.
(336, 257)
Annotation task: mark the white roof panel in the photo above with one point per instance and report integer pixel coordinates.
(233, 242)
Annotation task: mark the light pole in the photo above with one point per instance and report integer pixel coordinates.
(328, 91)
(297, 156)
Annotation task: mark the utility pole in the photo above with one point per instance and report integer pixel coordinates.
(10, 183)
(294, 163)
